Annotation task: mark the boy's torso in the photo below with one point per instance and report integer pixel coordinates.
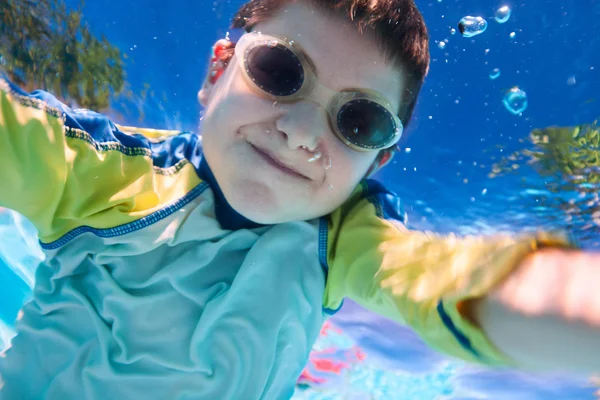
(179, 308)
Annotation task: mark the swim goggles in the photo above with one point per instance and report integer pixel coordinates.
(277, 69)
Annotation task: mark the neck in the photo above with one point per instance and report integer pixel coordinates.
(226, 215)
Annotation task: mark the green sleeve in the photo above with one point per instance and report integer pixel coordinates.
(64, 169)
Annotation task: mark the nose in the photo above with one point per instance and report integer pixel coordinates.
(304, 124)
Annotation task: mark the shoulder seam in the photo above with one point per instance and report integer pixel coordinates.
(75, 133)
(30, 102)
(380, 211)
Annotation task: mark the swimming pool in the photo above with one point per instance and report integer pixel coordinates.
(468, 119)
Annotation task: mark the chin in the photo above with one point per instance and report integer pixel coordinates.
(257, 203)
(261, 205)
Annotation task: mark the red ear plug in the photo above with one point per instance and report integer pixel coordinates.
(218, 50)
(217, 64)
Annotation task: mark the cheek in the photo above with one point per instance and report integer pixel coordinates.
(348, 167)
(233, 102)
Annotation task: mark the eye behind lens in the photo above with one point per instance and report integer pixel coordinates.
(275, 69)
(366, 124)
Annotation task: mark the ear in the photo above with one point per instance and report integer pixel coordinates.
(382, 159)
(222, 52)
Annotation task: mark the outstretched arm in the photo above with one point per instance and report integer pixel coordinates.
(468, 297)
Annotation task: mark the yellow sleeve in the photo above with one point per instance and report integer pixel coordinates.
(419, 279)
(64, 168)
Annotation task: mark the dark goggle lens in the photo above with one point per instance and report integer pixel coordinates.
(366, 124)
(275, 69)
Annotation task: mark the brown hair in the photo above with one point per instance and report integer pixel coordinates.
(398, 25)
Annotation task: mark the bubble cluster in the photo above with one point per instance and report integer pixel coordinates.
(515, 101)
(472, 26)
(502, 14)
(327, 161)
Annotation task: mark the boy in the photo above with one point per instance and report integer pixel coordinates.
(181, 271)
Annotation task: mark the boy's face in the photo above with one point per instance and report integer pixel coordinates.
(243, 132)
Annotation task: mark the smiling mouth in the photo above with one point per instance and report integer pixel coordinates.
(265, 155)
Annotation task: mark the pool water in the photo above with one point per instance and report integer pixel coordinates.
(532, 65)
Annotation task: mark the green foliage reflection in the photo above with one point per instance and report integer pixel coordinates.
(45, 45)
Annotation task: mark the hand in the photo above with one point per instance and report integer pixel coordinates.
(555, 282)
(546, 315)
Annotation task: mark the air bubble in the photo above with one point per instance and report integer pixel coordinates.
(272, 43)
(503, 14)
(472, 26)
(442, 45)
(315, 157)
(452, 31)
(515, 101)
(495, 73)
(327, 161)
(355, 130)
(275, 104)
(330, 187)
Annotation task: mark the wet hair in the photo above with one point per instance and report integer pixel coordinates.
(398, 26)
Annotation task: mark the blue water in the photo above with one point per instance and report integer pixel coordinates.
(460, 128)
